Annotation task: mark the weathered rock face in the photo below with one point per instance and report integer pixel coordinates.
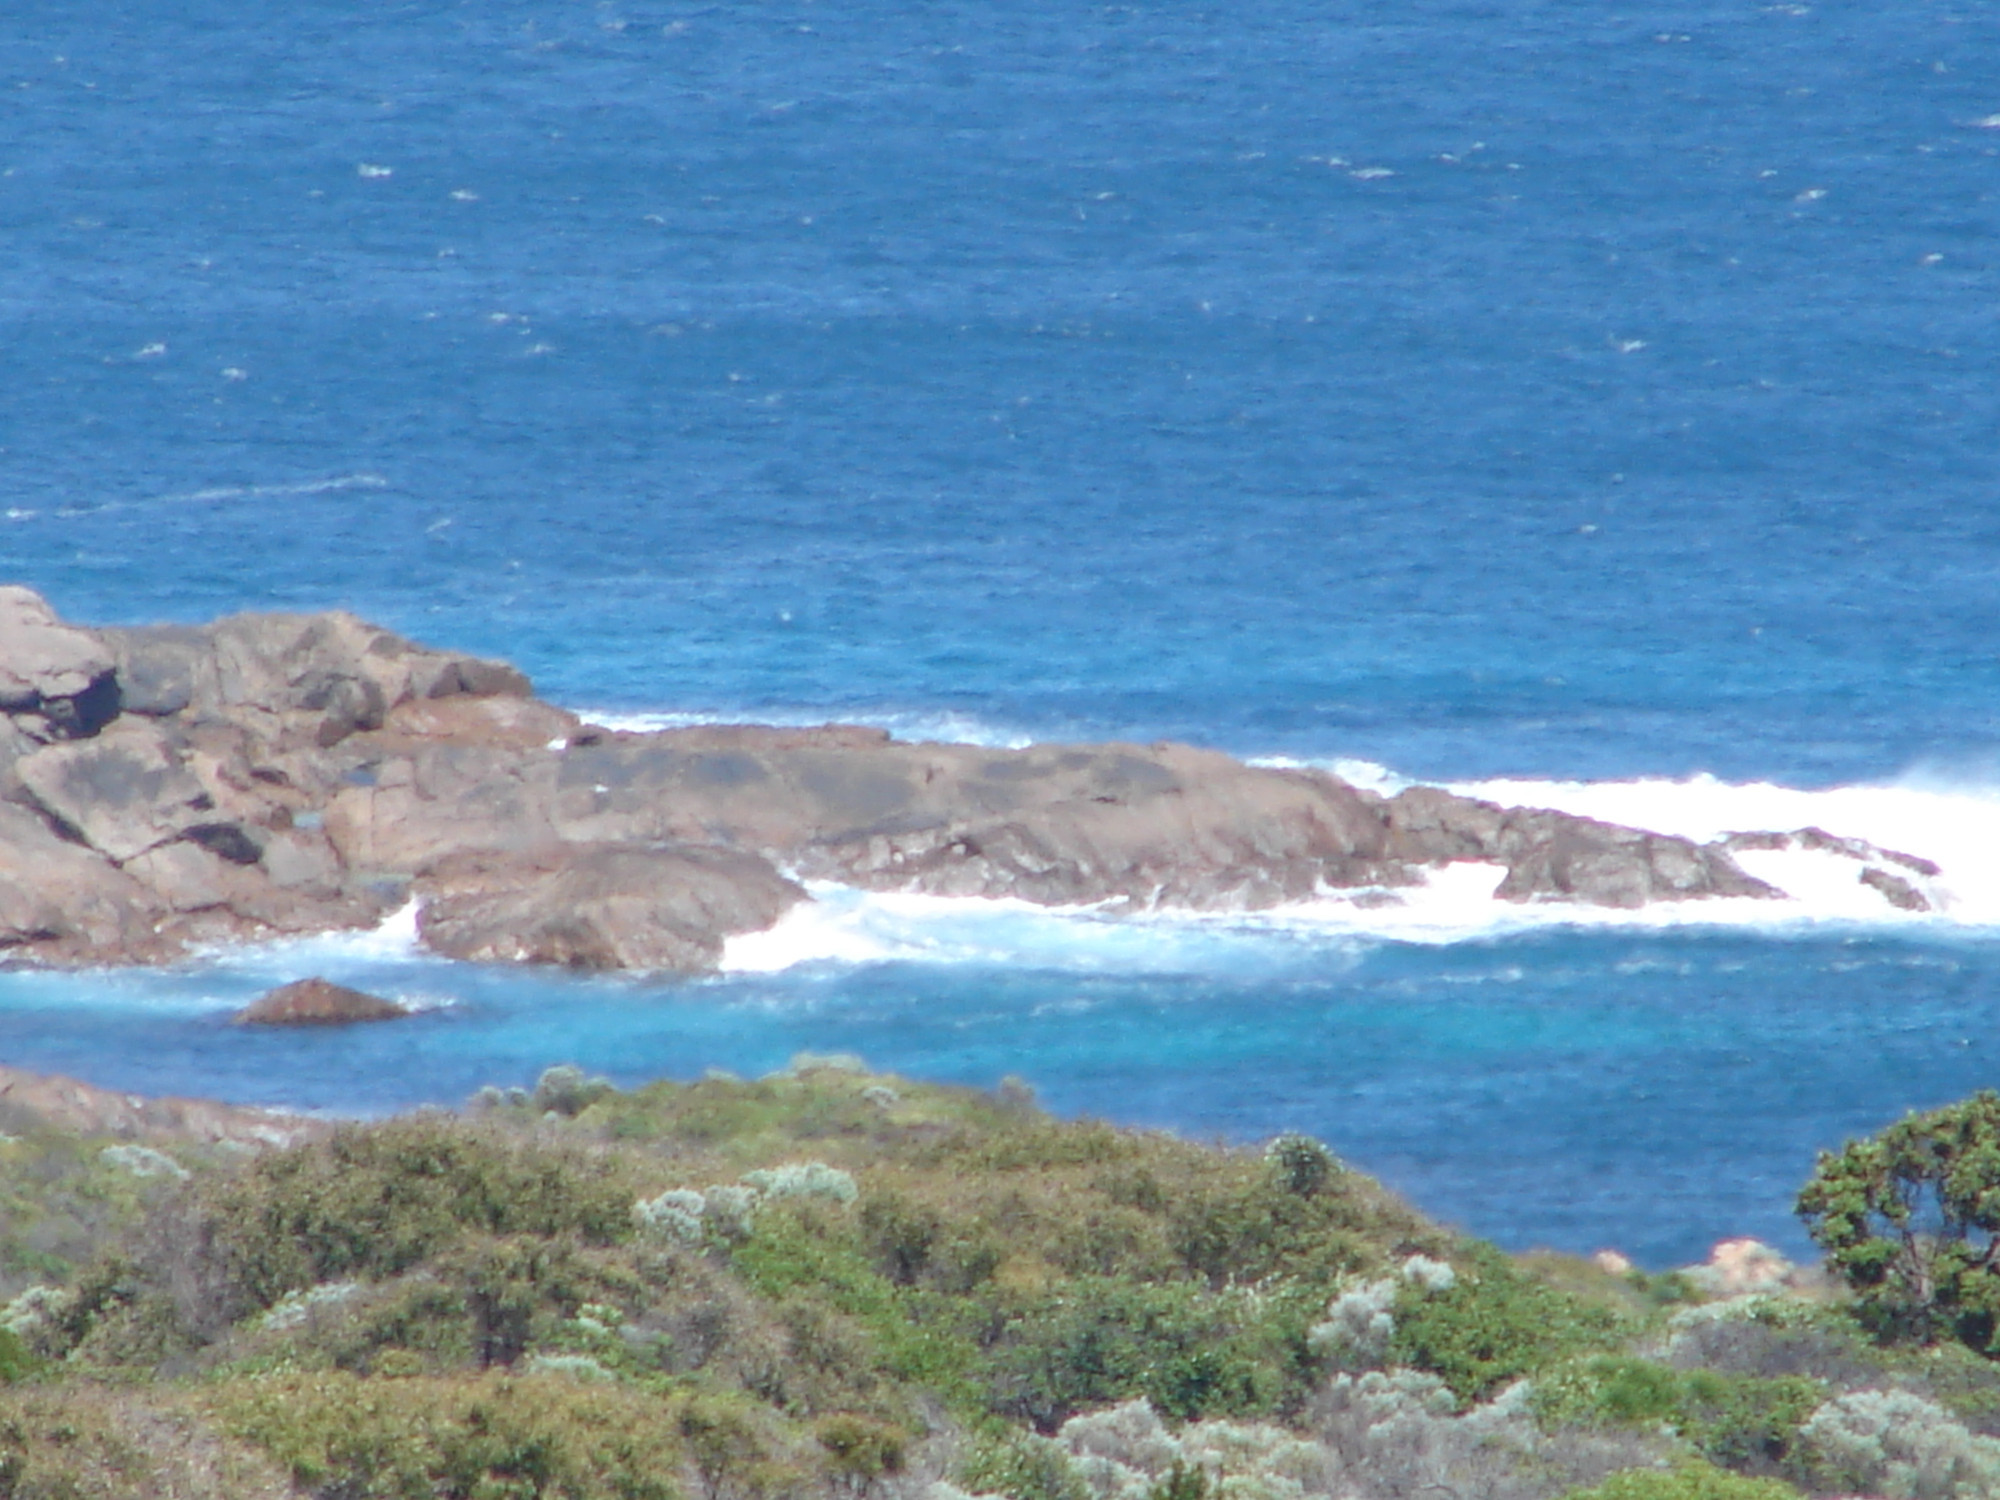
(1556, 857)
(612, 906)
(268, 774)
(316, 1002)
(58, 677)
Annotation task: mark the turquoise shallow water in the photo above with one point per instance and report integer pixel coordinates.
(1508, 388)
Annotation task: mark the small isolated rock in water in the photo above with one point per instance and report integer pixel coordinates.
(317, 1002)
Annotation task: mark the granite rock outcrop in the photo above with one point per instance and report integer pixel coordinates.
(317, 1002)
(163, 787)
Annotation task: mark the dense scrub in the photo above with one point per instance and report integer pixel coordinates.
(832, 1283)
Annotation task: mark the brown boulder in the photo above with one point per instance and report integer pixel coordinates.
(601, 907)
(317, 1002)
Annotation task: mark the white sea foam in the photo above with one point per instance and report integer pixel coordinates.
(1955, 826)
(393, 940)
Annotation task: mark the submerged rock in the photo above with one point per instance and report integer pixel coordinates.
(317, 1002)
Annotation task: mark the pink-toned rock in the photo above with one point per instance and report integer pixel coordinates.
(60, 900)
(1739, 1267)
(64, 1103)
(288, 773)
(609, 907)
(317, 1002)
(123, 792)
(44, 662)
(507, 723)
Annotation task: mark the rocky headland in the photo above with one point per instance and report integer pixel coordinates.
(163, 788)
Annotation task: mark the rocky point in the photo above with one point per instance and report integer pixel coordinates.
(270, 774)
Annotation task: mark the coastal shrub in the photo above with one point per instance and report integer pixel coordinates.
(16, 1359)
(1301, 1164)
(565, 1090)
(457, 1438)
(1360, 1323)
(734, 1447)
(375, 1200)
(1020, 1465)
(84, 1441)
(1403, 1433)
(1909, 1218)
(416, 1319)
(38, 1319)
(1772, 1337)
(1104, 1340)
(61, 1201)
(860, 1450)
(1897, 1445)
(1254, 1228)
(297, 1308)
(913, 1243)
(804, 1179)
(1492, 1324)
(1126, 1453)
(675, 1214)
(1737, 1422)
(1686, 1482)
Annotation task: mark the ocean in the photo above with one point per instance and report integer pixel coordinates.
(1587, 406)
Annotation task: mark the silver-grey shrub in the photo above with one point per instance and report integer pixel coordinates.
(1398, 1436)
(1122, 1452)
(676, 1214)
(804, 1179)
(1898, 1446)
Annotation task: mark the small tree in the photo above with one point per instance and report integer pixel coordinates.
(1911, 1219)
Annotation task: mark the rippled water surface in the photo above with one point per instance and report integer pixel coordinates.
(1531, 390)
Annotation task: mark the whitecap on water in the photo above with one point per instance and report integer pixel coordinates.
(913, 726)
(394, 940)
(1958, 828)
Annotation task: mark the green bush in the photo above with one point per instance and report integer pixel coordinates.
(16, 1361)
(1301, 1164)
(1695, 1482)
(1097, 1341)
(1907, 1218)
(462, 1438)
(1021, 1466)
(860, 1450)
(1736, 1421)
(375, 1200)
(1493, 1325)
(92, 1442)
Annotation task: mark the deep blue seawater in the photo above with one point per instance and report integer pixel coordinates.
(1524, 388)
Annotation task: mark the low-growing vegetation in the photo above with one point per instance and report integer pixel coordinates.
(832, 1283)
